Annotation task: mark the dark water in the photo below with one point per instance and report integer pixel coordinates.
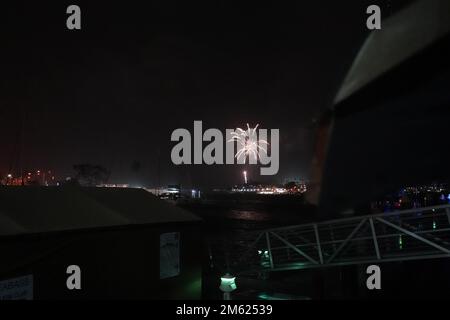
(234, 214)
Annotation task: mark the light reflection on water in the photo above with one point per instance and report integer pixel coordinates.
(249, 215)
(230, 217)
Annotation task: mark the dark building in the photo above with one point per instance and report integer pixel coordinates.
(387, 130)
(389, 123)
(127, 243)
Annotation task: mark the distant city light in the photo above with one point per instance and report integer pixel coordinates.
(291, 188)
(27, 178)
(280, 190)
(113, 185)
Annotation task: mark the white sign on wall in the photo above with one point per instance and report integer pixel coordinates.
(169, 255)
(20, 288)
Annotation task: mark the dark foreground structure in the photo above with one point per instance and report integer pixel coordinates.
(389, 123)
(127, 243)
(387, 130)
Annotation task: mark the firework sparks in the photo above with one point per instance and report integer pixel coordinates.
(248, 145)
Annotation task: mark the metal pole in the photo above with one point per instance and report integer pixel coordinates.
(375, 241)
(319, 248)
(269, 250)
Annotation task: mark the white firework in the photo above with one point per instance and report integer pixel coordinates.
(248, 145)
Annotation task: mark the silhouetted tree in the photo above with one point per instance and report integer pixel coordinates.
(91, 175)
(290, 185)
(70, 182)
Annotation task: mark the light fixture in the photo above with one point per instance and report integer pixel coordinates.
(227, 285)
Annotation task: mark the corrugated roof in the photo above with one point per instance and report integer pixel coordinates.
(44, 209)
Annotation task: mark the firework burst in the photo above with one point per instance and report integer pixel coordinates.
(248, 144)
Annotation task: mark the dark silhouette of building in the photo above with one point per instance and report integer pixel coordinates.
(128, 244)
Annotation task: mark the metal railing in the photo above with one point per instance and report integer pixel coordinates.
(422, 233)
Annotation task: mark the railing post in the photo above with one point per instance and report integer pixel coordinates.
(375, 241)
(447, 210)
(319, 248)
(269, 250)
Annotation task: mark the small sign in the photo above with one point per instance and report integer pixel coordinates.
(169, 255)
(17, 288)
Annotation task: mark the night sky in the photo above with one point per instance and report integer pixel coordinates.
(112, 93)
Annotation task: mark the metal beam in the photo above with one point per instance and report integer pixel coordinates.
(347, 240)
(269, 250)
(414, 235)
(290, 245)
(319, 248)
(375, 241)
(302, 266)
(357, 218)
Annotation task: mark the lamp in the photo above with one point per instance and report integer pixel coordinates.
(227, 285)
